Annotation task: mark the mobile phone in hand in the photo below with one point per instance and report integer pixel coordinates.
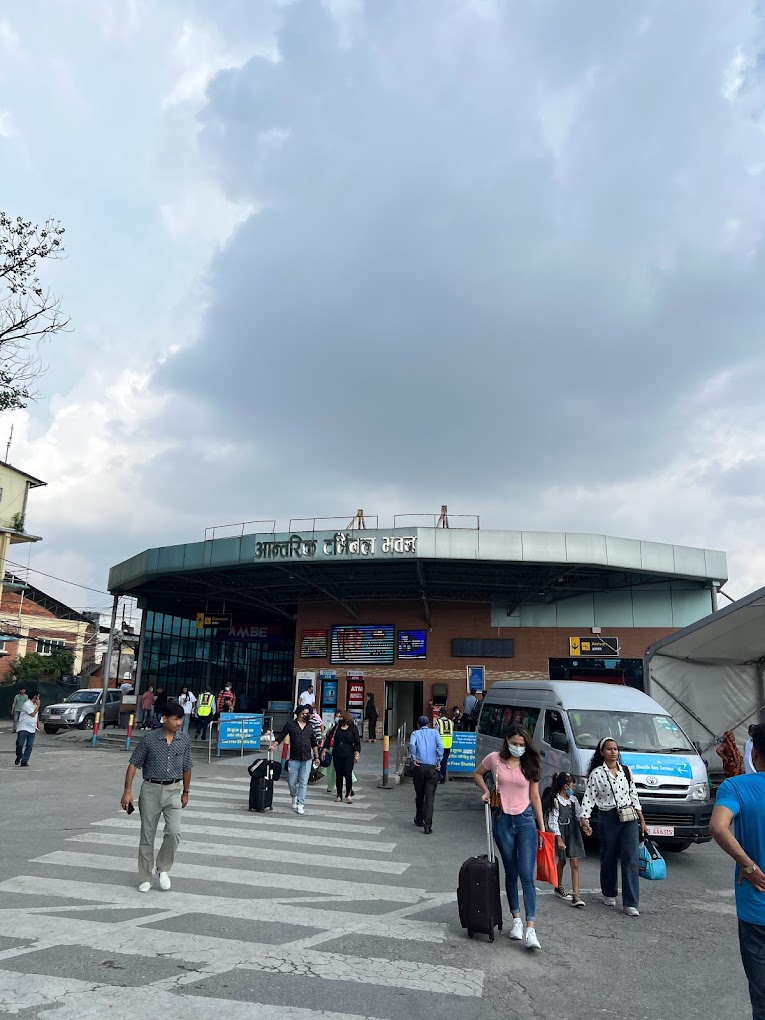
(130, 808)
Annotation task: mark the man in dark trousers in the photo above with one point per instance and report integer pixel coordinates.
(164, 756)
(426, 751)
(303, 748)
(371, 716)
(741, 799)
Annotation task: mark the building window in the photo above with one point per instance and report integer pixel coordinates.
(45, 646)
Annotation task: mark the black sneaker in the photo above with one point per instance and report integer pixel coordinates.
(24, 764)
(419, 822)
(17, 762)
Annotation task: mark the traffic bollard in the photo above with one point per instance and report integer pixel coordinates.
(384, 785)
(129, 732)
(96, 721)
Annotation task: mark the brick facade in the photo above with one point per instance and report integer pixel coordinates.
(534, 646)
(20, 614)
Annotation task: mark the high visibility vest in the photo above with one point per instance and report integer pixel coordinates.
(445, 729)
(205, 705)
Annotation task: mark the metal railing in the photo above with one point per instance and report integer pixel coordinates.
(402, 749)
(210, 532)
(340, 523)
(410, 520)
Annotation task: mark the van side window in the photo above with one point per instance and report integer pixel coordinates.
(496, 719)
(553, 724)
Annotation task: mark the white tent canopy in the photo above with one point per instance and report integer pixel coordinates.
(709, 675)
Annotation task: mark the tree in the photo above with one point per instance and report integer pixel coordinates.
(36, 668)
(29, 312)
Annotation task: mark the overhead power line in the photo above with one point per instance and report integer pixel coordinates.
(52, 577)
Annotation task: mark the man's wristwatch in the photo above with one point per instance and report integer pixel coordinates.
(749, 869)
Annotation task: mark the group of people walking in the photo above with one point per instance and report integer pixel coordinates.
(202, 710)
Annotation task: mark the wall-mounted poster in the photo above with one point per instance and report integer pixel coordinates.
(363, 644)
(355, 690)
(313, 644)
(412, 644)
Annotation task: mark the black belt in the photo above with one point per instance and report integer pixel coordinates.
(162, 782)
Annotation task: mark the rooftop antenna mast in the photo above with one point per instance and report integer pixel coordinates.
(8, 447)
(443, 520)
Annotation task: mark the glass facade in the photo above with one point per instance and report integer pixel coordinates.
(176, 653)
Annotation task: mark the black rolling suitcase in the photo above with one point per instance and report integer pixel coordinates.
(478, 891)
(262, 775)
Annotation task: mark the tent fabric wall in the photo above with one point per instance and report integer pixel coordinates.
(723, 697)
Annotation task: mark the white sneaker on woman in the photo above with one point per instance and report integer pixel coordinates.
(516, 932)
(610, 901)
(632, 912)
(532, 942)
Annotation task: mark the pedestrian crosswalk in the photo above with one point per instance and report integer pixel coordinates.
(257, 901)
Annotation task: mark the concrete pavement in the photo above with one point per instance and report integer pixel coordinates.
(348, 912)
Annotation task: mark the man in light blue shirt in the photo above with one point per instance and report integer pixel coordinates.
(426, 751)
(742, 799)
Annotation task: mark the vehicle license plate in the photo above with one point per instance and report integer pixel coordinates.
(53, 716)
(660, 830)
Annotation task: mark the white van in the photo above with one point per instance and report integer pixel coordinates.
(568, 718)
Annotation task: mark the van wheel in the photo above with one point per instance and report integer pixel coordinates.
(675, 848)
(87, 723)
(51, 729)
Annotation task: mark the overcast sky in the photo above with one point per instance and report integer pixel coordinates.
(390, 254)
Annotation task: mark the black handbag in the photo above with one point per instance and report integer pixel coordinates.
(408, 768)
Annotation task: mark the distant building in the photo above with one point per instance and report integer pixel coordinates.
(14, 491)
(31, 621)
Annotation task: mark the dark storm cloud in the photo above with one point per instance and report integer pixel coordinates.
(494, 240)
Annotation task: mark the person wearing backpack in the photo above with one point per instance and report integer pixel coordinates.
(445, 728)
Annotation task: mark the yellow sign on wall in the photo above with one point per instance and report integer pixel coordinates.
(601, 647)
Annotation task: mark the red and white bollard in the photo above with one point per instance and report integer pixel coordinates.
(96, 722)
(384, 785)
(129, 732)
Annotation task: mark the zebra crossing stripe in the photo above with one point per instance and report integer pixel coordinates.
(289, 820)
(284, 808)
(212, 792)
(308, 916)
(253, 854)
(68, 998)
(330, 842)
(239, 876)
(214, 955)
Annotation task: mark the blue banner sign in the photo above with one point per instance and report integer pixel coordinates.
(476, 678)
(329, 694)
(239, 729)
(657, 765)
(462, 757)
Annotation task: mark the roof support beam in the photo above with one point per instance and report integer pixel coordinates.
(424, 589)
(296, 572)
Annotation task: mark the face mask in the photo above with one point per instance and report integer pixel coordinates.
(517, 752)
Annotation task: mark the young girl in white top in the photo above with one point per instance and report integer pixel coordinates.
(562, 813)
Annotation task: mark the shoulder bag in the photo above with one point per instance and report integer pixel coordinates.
(495, 800)
(626, 812)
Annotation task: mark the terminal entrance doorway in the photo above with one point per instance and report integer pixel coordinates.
(403, 705)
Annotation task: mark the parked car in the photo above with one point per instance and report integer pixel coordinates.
(79, 710)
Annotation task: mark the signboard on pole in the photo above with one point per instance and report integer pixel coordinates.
(213, 621)
(476, 678)
(462, 757)
(239, 730)
(595, 647)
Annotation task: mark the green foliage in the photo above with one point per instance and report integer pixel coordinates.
(28, 311)
(17, 521)
(37, 668)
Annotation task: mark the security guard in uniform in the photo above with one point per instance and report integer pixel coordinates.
(205, 710)
(445, 728)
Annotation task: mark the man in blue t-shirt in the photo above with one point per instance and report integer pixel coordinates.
(742, 799)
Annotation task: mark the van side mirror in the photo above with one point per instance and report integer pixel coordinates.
(559, 742)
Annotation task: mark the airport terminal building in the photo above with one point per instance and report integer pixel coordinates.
(413, 615)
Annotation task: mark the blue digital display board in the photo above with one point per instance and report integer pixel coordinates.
(412, 644)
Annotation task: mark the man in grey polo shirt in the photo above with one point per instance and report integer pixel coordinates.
(164, 756)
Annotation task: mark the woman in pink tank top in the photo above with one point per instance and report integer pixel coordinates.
(516, 770)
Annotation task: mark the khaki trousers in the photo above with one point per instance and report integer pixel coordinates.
(154, 802)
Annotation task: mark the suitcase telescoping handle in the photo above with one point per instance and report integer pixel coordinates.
(489, 836)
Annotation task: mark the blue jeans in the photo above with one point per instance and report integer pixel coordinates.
(297, 778)
(751, 940)
(618, 845)
(186, 721)
(516, 837)
(24, 743)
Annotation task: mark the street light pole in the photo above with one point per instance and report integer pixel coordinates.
(107, 659)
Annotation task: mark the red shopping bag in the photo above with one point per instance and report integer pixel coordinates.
(546, 869)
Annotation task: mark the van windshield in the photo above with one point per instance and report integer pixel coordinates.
(633, 731)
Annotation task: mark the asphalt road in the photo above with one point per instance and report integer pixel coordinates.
(347, 912)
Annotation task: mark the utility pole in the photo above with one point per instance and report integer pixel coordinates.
(107, 660)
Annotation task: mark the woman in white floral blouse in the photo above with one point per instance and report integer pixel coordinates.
(611, 789)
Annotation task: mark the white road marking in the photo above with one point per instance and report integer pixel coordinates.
(290, 820)
(211, 874)
(280, 809)
(220, 955)
(211, 791)
(81, 1000)
(253, 854)
(224, 906)
(332, 842)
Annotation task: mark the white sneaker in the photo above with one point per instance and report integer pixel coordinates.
(144, 887)
(632, 912)
(294, 803)
(532, 942)
(300, 809)
(516, 932)
(164, 880)
(610, 901)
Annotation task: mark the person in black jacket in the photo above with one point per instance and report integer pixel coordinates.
(371, 716)
(346, 747)
(303, 749)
